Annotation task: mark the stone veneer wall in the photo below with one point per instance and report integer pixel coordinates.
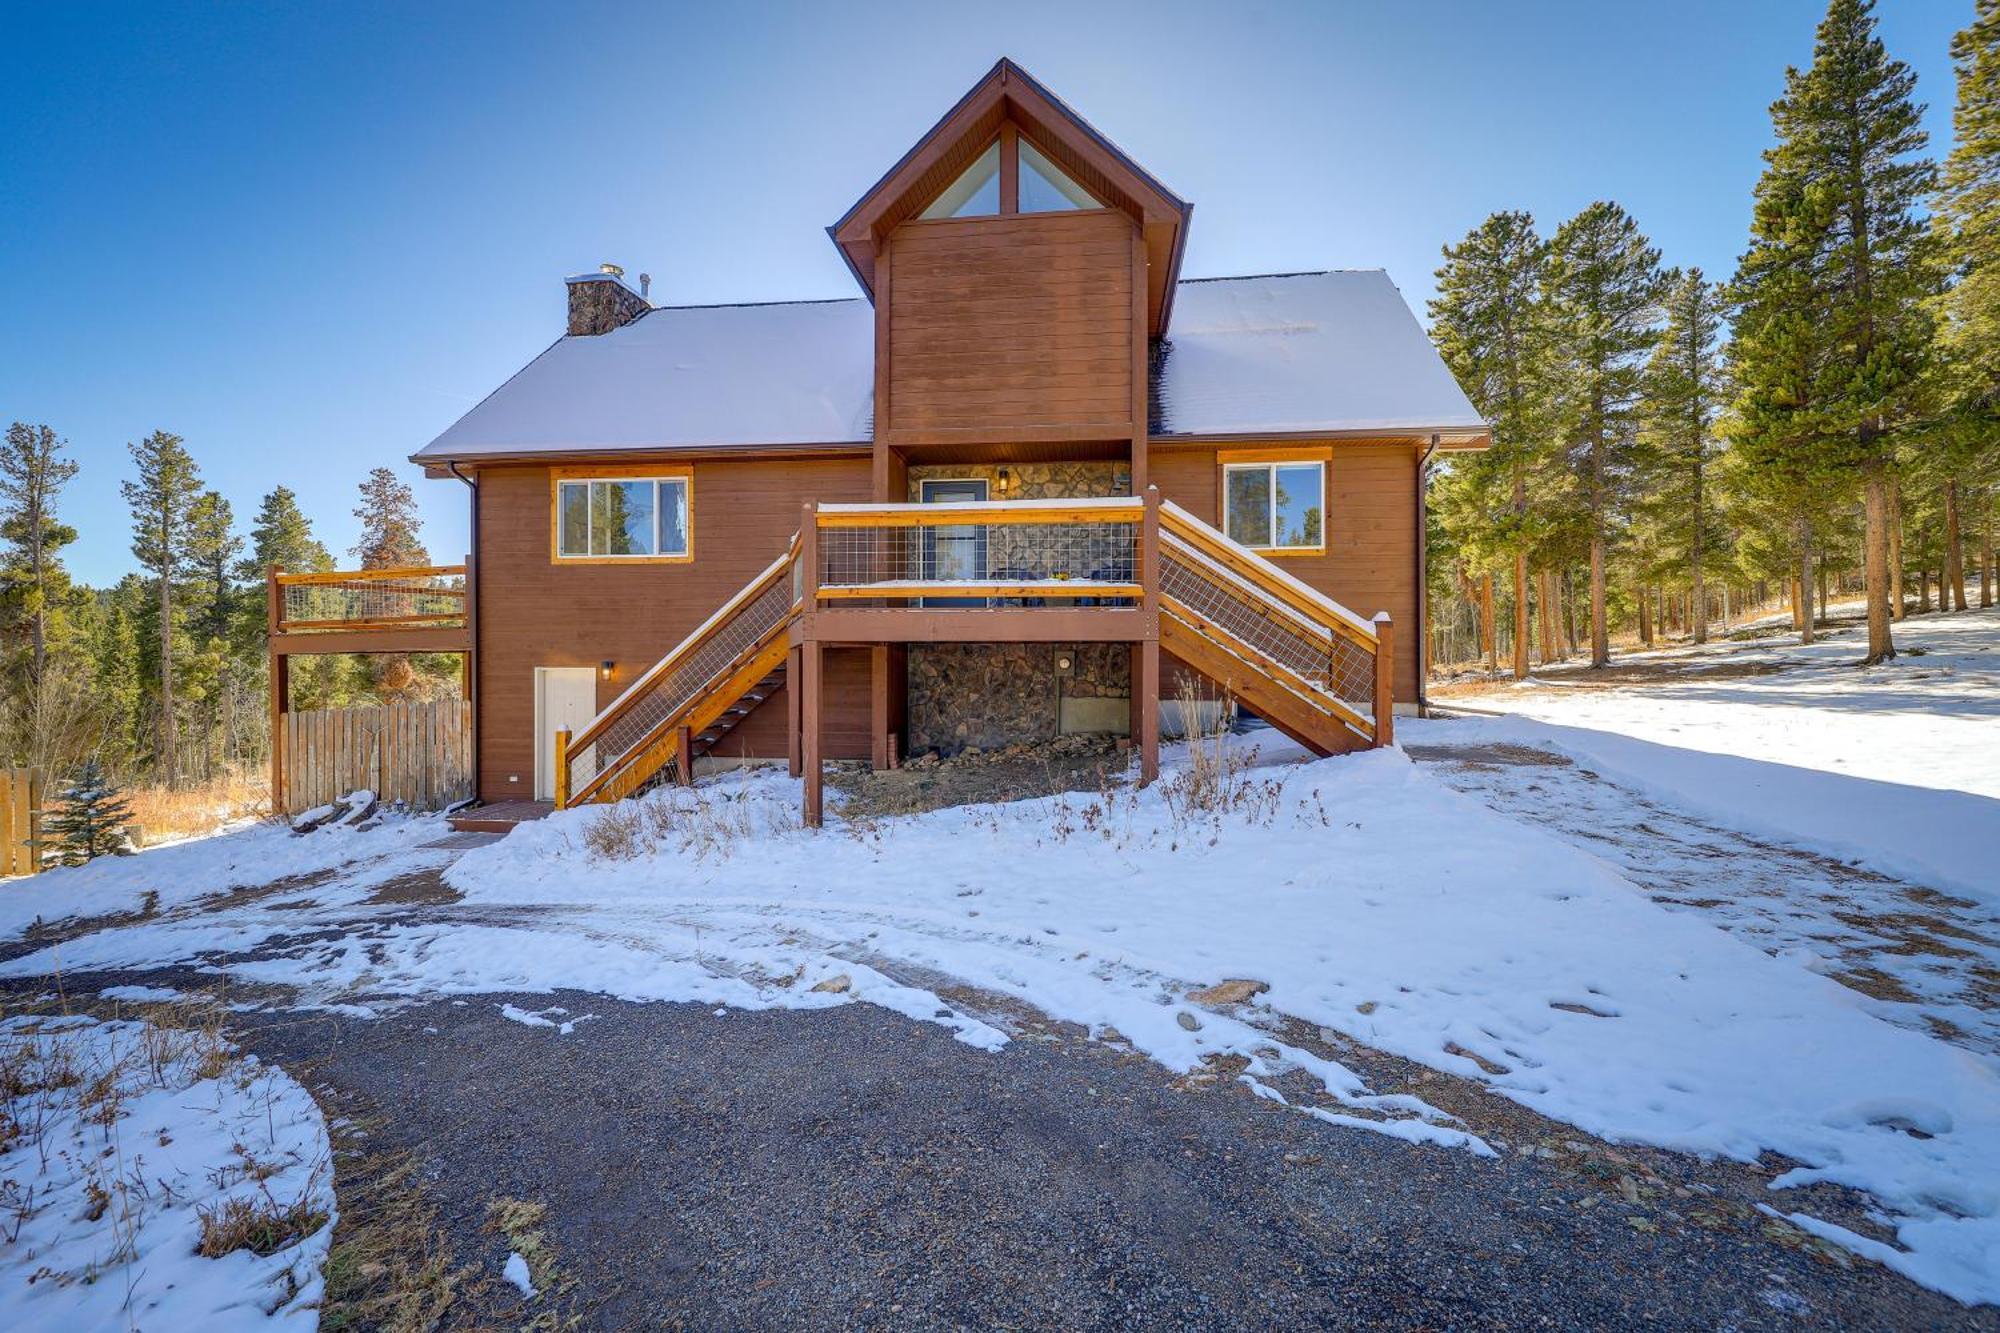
(599, 304)
(991, 695)
(1032, 481)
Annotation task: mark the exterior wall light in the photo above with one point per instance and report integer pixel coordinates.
(1006, 481)
(604, 669)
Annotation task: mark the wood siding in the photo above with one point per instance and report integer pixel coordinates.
(1370, 561)
(1010, 323)
(535, 612)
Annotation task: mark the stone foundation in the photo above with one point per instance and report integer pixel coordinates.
(992, 695)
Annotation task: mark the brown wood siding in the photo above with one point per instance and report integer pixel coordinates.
(1370, 562)
(1009, 322)
(533, 612)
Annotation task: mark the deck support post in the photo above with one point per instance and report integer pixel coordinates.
(1146, 679)
(562, 769)
(794, 684)
(880, 753)
(684, 741)
(814, 655)
(1385, 680)
(812, 663)
(1146, 696)
(280, 678)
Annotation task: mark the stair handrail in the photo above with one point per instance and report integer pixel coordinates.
(574, 746)
(1270, 579)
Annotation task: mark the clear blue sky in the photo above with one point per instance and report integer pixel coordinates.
(307, 237)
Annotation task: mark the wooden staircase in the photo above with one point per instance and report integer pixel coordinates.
(1294, 656)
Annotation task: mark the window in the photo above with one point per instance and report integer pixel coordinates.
(1046, 187)
(976, 193)
(621, 518)
(1277, 506)
(1025, 175)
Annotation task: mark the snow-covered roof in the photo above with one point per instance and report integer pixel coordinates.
(1286, 354)
(1301, 352)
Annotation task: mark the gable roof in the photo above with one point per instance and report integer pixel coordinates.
(1008, 93)
(1284, 354)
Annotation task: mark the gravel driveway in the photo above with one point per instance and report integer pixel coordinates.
(847, 1168)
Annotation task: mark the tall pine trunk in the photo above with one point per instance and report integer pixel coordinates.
(1600, 634)
(1645, 616)
(1896, 584)
(1954, 551)
(1881, 644)
(1486, 626)
(1520, 615)
(167, 681)
(1986, 570)
(1805, 591)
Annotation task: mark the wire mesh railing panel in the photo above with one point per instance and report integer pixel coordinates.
(1325, 660)
(981, 553)
(703, 665)
(407, 599)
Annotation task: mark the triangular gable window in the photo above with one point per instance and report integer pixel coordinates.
(976, 193)
(1046, 187)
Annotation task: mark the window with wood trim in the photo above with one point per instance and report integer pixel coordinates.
(1011, 176)
(613, 518)
(1277, 505)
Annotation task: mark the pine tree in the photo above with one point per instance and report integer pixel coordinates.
(1832, 323)
(1489, 325)
(1684, 395)
(90, 817)
(162, 501)
(281, 535)
(1967, 214)
(389, 524)
(389, 540)
(32, 475)
(1604, 286)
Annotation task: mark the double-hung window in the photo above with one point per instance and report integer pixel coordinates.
(605, 518)
(1275, 506)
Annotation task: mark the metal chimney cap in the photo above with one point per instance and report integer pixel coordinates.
(612, 270)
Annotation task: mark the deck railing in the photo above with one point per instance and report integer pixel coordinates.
(1011, 553)
(648, 725)
(426, 596)
(1294, 652)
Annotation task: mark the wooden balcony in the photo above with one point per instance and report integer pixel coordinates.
(1019, 571)
(420, 609)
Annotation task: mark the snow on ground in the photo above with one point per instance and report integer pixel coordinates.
(1924, 959)
(161, 878)
(124, 1137)
(1370, 897)
(1894, 767)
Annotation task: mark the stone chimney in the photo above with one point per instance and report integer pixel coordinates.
(600, 302)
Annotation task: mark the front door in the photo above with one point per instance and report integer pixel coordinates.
(956, 552)
(565, 700)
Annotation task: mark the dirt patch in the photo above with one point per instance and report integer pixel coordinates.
(975, 777)
(423, 888)
(1488, 756)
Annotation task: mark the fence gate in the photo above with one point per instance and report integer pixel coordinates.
(417, 753)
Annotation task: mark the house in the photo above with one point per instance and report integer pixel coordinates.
(1021, 485)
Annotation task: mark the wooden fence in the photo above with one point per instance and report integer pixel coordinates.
(417, 753)
(20, 820)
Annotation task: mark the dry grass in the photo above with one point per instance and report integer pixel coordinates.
(190, 812)
(262, 1226)
(713, 819)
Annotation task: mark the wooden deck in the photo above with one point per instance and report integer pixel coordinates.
(501, 816)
